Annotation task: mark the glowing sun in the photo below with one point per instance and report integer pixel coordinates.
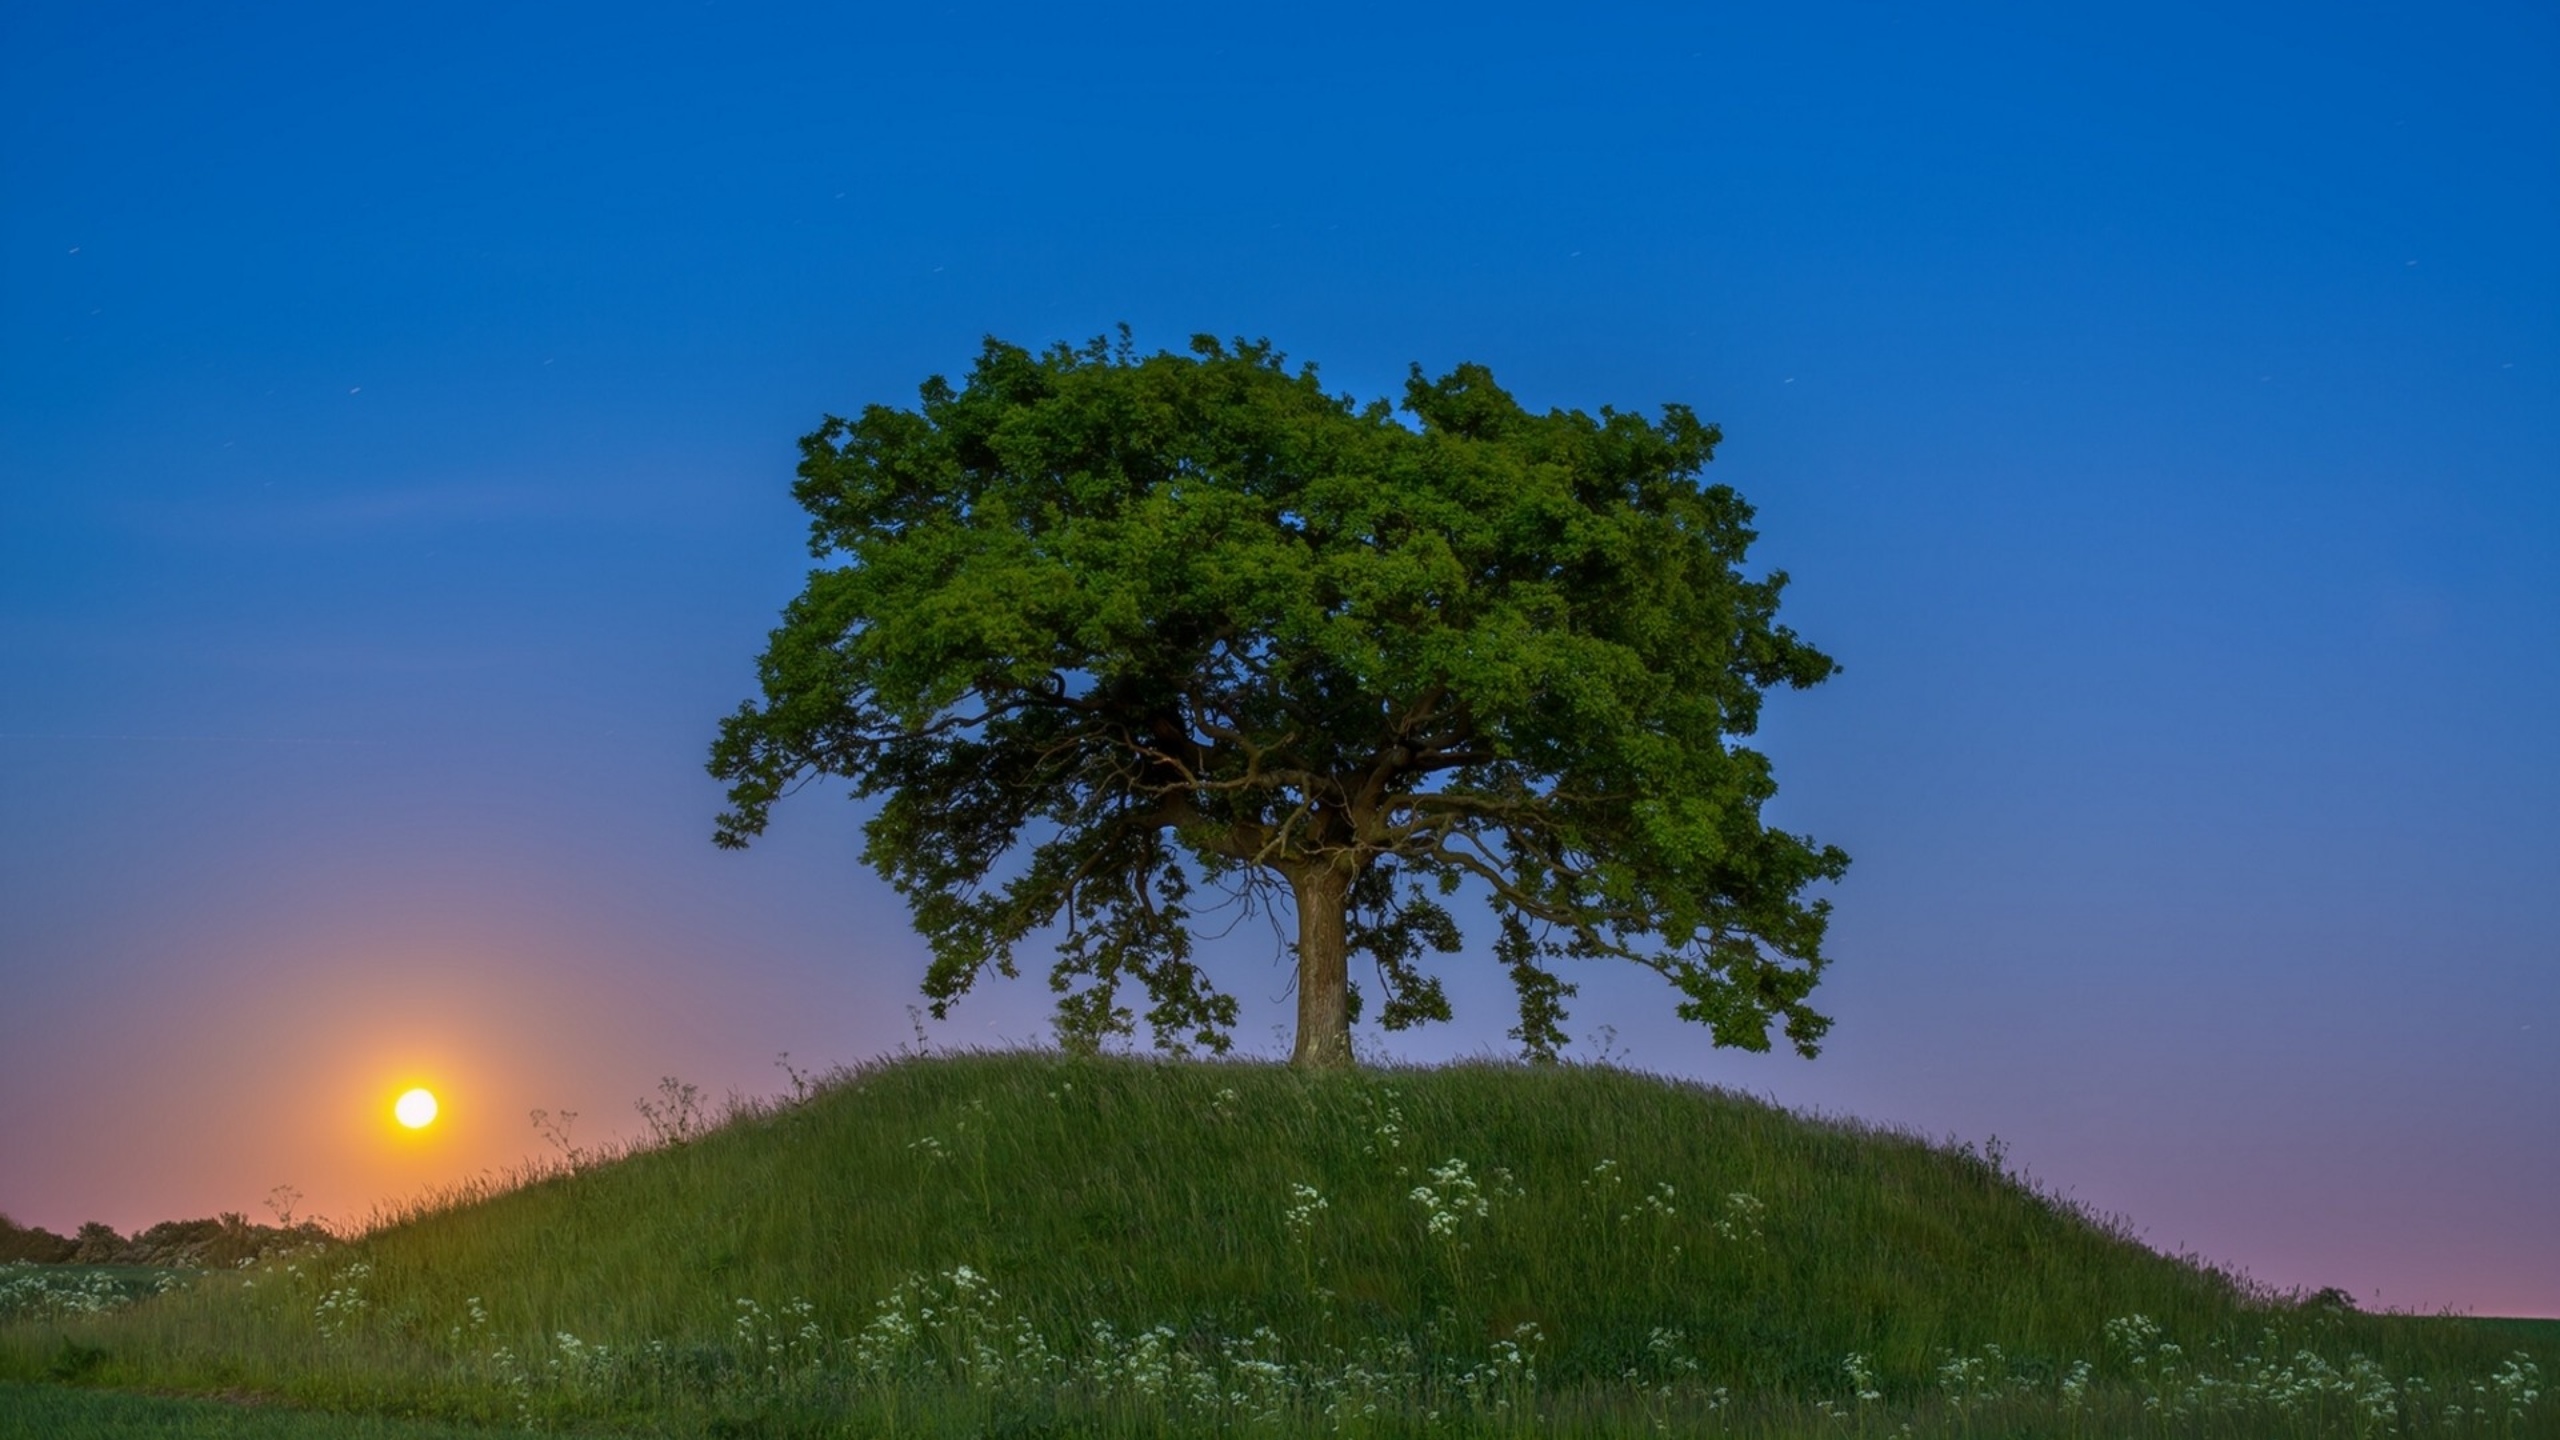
(417, 1109)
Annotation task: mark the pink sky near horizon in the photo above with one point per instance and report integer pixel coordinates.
(499, 1020)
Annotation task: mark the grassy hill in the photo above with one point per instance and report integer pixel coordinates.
(1032, 1244)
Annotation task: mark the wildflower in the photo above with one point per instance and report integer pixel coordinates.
(1450, 1198)
(1961, 1376)
(1307, 1203)
(1741, 1219)
(2075, 1385)
(2519, 1383)
(1862, 1377)
(2134, 1335)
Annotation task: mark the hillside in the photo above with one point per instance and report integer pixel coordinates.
(1031, 1241)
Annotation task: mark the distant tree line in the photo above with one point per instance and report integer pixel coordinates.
(218, 1243)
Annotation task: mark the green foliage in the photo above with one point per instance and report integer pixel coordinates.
(59, 1413)
(1108, 1247)
(219, 1240)
(33, 1243)
(1097, 628)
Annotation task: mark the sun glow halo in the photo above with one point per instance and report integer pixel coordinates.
(417, 1109)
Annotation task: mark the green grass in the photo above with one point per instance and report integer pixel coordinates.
(59, 1412)
(1034, 1244)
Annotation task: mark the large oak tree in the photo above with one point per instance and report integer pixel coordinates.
(1099, 630)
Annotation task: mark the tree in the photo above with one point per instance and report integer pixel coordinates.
(1099, 629)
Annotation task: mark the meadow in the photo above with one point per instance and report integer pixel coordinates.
(1031, 1244)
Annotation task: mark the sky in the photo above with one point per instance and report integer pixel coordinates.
(2154, 408)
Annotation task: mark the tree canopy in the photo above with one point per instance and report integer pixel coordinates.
(1099, 630)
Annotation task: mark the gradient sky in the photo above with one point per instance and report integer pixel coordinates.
(2155, 406)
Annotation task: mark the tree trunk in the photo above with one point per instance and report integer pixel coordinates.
(1324, 971)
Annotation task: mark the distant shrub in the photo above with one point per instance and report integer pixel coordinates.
(219, 1243)
(20, 1242)
(98, 1244)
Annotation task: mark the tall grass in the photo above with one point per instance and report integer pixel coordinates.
(1047, 1244)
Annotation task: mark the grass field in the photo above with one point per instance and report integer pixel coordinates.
(1030, 1244)
(61, 1412)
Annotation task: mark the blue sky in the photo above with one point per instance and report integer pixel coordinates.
(2155, 407)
